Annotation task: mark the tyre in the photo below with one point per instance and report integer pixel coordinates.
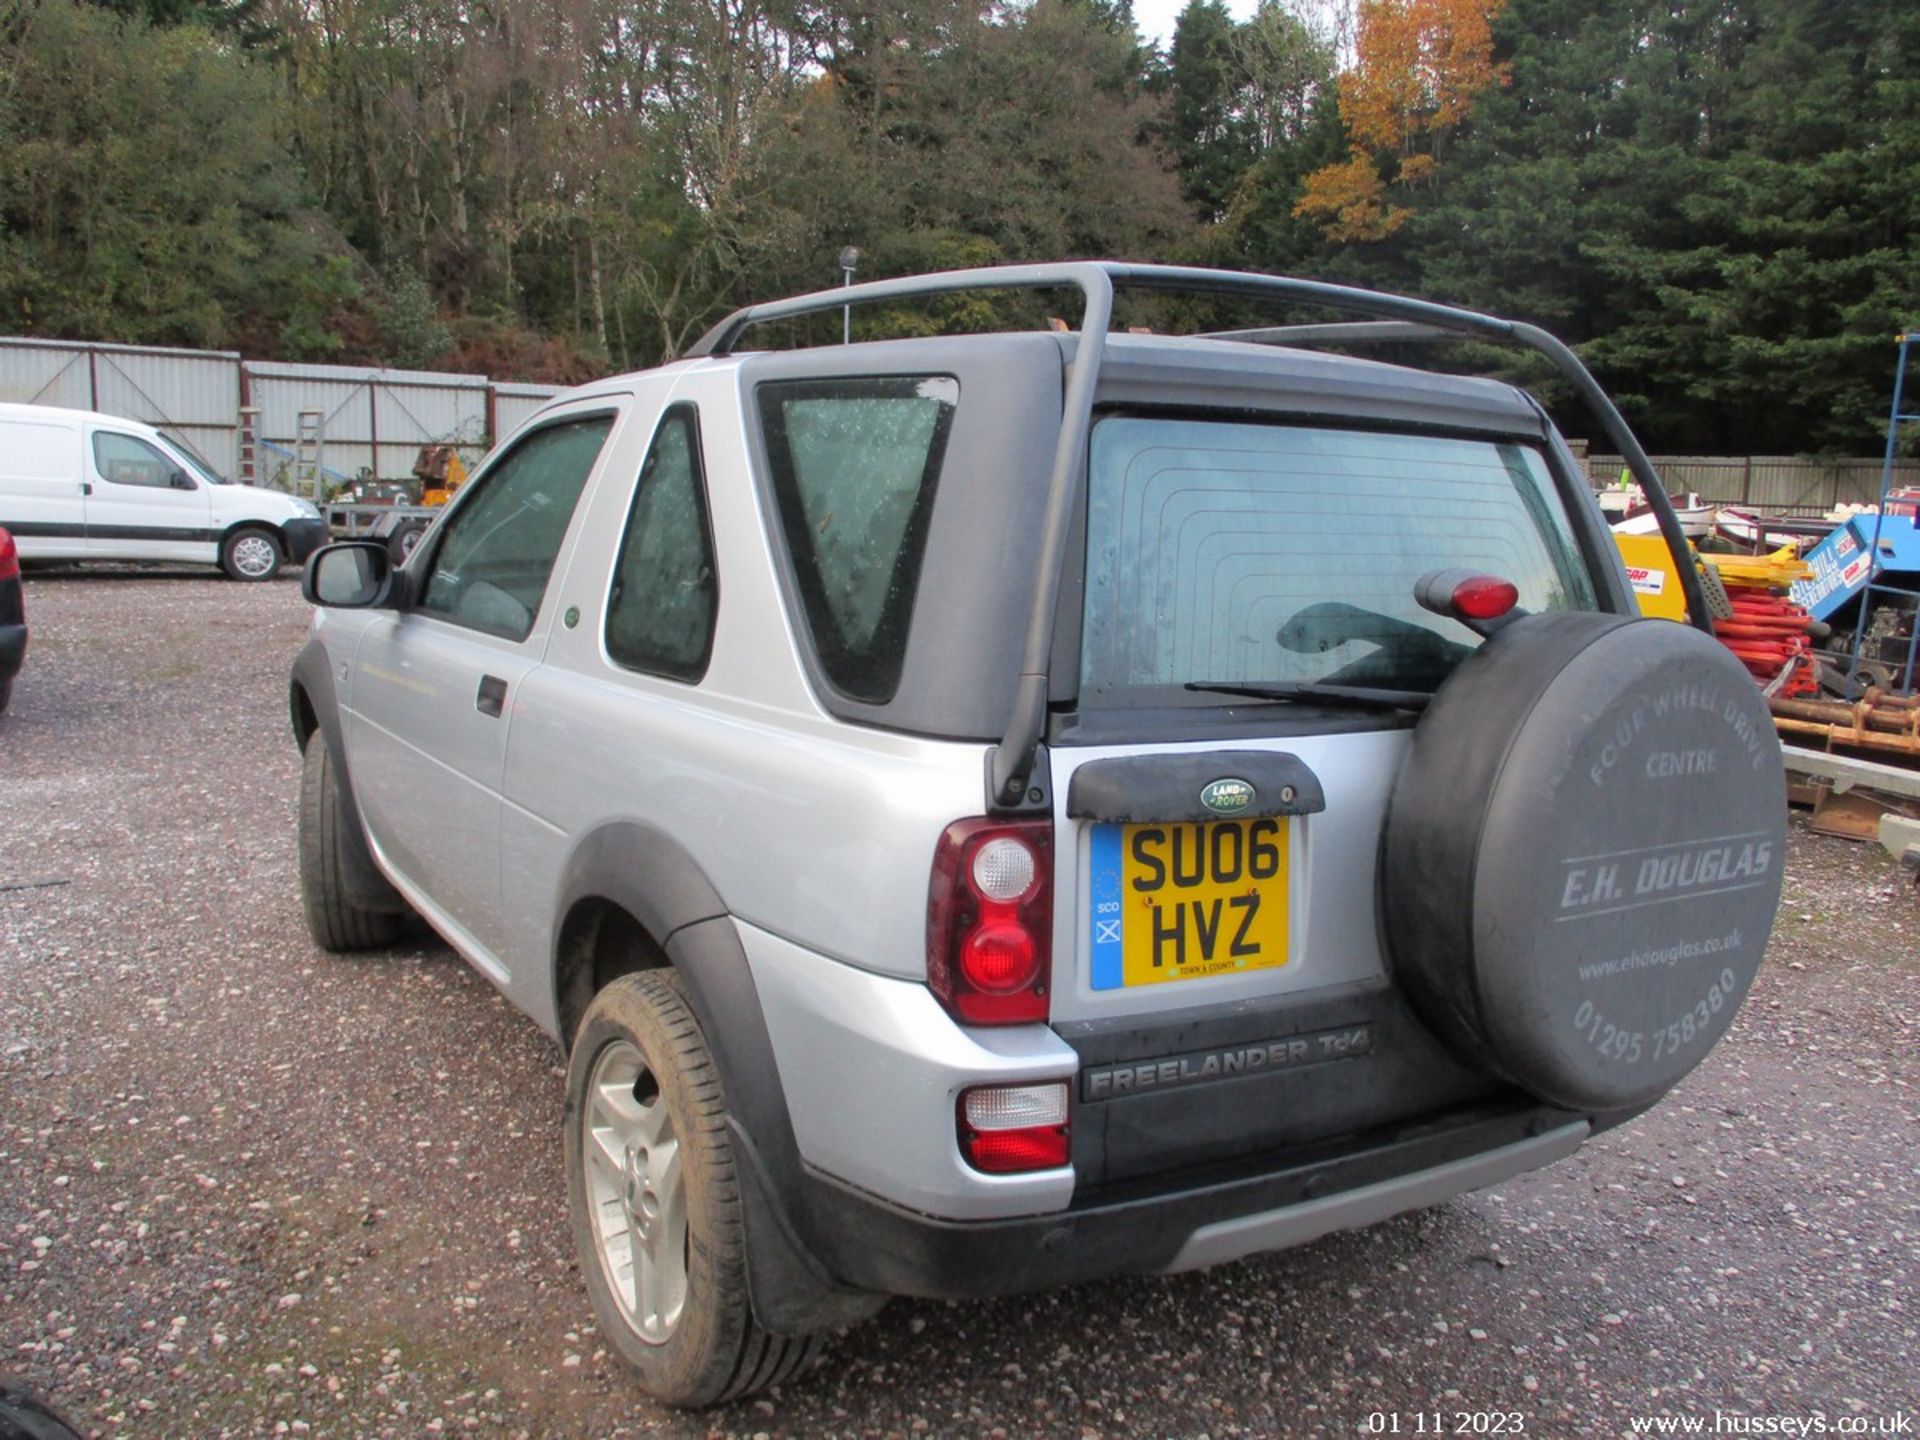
(1583, 854)
(6, 693)
(401, 542)
(25, 1417)
(656, 1204)
(337, 875)
(250, 553)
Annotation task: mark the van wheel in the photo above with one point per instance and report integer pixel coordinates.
(250, 553)
(656, 1204)
(401, 543)
(332, 853)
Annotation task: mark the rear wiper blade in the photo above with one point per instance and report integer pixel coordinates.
(1361, 696)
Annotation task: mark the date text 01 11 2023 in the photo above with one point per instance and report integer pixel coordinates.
(1445, 1422)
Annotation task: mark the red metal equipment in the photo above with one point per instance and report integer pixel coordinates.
(1770, 635)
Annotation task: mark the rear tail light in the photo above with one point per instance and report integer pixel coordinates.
(9, 558)
(1009, 1128)
(990, 921)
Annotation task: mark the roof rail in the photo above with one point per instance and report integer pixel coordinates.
(1394, 317)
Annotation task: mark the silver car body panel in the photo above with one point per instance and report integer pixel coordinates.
(449, 929)
(1333, 933)
(430, 792)
(872, 1069)
(804, 824)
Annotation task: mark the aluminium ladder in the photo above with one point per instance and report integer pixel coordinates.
(308, 449)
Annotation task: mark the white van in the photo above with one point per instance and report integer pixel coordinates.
(80, 485)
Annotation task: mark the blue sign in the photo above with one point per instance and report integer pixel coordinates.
(1842, 565)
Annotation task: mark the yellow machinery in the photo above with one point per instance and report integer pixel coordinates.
(440, 473)
(1650, 567)
(1776, 571)
(1657, 588)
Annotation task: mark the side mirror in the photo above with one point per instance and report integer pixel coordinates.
(351, 575)
(182, 481)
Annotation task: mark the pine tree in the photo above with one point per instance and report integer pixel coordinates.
(1212, 141)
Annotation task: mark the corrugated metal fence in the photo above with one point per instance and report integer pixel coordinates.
(372, 421)
(194, 395)
(1771, 484)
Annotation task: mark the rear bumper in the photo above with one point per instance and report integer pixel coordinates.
(876, 1194)
(867, 1244)
(853, 1184)
(304, 536)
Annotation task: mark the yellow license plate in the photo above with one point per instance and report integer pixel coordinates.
(1180, 901)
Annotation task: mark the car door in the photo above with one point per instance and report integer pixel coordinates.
(142, 504)
(435, 685)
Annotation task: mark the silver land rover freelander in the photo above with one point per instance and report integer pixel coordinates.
(990, 811)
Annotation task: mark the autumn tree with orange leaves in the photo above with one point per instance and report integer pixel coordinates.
(1419, 64)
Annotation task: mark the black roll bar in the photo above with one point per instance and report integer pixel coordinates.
(1396, 317)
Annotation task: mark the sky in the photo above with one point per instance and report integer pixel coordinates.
(1155, 17)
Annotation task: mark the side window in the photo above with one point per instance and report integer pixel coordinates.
(490, 569)
(854, 464)
(128, 460)
(660, 617)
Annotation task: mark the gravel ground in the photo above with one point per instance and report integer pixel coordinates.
(250, 1189)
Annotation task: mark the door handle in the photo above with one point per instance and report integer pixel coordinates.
(492, 699)
(86, 487)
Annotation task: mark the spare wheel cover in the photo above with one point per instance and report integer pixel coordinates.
(1583, 855)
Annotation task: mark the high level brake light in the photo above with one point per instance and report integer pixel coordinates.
(1484, 604)
(990, 920)
(1484, 597)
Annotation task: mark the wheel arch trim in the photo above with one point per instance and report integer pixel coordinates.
(646, 873)
(313, 705)
(272, 529)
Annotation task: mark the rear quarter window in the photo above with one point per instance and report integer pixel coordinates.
(1228, 551)
(854, 464)
(660, 615)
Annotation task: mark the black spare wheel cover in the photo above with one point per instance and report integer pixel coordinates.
(1583, 855)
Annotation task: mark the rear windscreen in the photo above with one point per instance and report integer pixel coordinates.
(1232, 552)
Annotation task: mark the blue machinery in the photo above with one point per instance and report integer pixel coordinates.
(1893, 537)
